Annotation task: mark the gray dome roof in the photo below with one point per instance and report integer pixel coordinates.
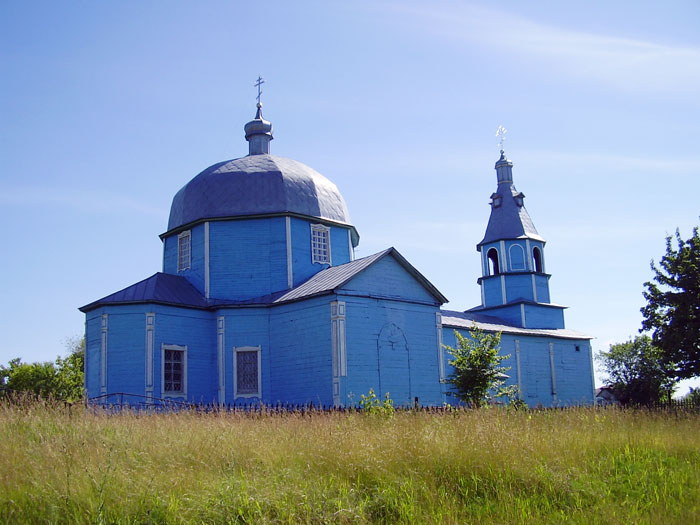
(258, 185)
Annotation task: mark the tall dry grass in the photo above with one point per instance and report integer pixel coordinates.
(69, 465)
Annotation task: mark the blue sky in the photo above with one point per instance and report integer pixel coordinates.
(108, 108)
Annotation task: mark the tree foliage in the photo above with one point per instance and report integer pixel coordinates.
(636, 372)
(673, 306)
(477, 375)
(62, 379)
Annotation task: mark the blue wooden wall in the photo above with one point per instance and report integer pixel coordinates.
(92, 352)
(248, 258)
(392, 343)
(246, 327)
(573, 374)
(195, 274)
(301, 352)
(127, 346)
(302, 266)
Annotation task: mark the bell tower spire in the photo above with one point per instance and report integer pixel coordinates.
(514, 285)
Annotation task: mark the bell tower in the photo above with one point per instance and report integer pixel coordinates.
(514, 282)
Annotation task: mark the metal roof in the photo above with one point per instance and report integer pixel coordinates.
(336, 276)
(162, 288)
(489, 323)
(508, 220)
(258, 185)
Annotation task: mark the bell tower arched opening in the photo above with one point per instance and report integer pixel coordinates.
(492, 256)
(537, 259)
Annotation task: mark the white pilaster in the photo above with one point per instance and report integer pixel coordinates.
(206, 259)
(103, 354)
(150, 341)
(221, 356)
(441, 352)
(290, 274)
(518, 370)
(554, 375)
(340, 365)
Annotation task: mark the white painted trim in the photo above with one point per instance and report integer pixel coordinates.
(505, 265)
(182, 348)
(528, 259)
(342, 348)
(221, 356)
(290, 260)
(590, 359)
(554, 375)
(483, 294)
(534, 288)
(85, 363)
(518, 370)
(484, 264)
(324, 229)
(351, 250)
(522, 315)
(103, 353)
(338, 339)
(237, 349)
(338, 347)
(188, 264)
(441, 351)
(150, 343)
(544, 267)
(206, 259)
(503, 288)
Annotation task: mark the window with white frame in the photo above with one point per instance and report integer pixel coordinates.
(174, 370)
(184, 251)
(247, 372)
(320, 244)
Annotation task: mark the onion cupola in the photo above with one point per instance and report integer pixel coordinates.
(258, 184)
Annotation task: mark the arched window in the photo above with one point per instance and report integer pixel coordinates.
(537, 259)
(492, 255)
(517, 257)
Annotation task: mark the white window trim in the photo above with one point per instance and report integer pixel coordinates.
(188, 264)
(182, 348)
(326, 230)
(237, 349)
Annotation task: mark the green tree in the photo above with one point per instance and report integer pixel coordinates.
(672, 312)
(62, 379)
(693, 395)
(636, 372)
(70, 375)
(477, 375)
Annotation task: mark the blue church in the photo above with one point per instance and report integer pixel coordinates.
(261, 300)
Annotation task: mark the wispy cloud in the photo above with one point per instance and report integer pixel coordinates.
(89, 201)
(625, 63)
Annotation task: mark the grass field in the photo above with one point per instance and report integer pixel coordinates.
(61, 465)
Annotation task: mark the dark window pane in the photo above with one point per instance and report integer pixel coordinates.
(247, 372)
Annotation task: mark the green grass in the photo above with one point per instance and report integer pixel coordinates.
(62, 465)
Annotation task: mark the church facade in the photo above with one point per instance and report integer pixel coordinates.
(261, 300)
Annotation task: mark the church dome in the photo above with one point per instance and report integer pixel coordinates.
(259, 184)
